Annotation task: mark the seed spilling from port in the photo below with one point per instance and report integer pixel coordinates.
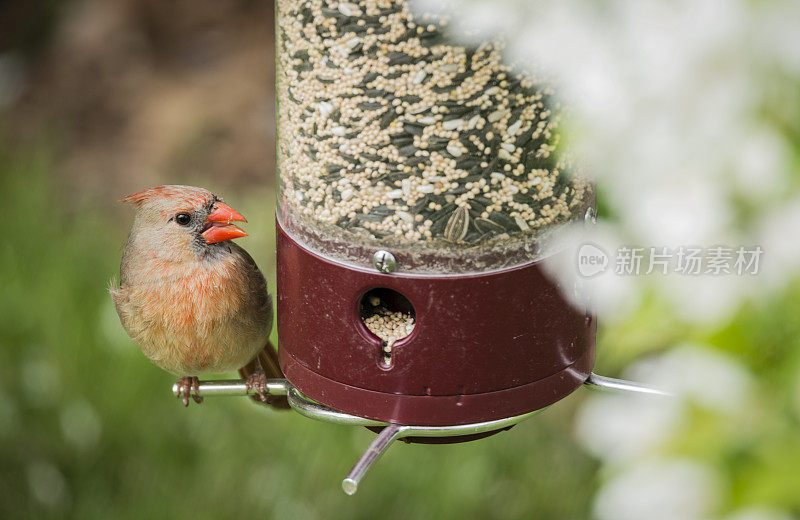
(388, 315)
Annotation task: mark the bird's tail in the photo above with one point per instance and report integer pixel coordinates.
(267, 360)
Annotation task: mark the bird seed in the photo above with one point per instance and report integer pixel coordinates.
(387, 129)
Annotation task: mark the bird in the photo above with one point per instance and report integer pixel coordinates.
(191, 299)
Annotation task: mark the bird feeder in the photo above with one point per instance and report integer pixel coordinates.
(419, 183)
(420, 186)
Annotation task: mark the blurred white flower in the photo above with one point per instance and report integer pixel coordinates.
(483, 20)
(607, 296)
(700, 374)
(778, 28)
(619, 428)
(777, 236)
(659, 490)
(705, 298)
(761, 164)
(673, 214)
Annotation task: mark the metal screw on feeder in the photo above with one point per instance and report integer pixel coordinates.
(384, 261)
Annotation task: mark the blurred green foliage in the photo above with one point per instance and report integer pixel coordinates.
(89, 428)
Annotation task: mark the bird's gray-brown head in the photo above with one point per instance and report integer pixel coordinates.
(181, 223)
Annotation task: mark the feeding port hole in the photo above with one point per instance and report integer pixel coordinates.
(388, 315)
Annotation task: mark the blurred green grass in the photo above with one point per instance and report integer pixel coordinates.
(89, 428)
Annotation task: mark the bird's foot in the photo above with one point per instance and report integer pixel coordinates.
(258, 381)
(189, 387)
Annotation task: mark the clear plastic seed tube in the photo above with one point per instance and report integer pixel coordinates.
(393, 136)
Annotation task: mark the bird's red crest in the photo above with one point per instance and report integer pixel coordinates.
(186, 193)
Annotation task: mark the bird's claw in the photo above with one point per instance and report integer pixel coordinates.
(258, 381)
(189, 387)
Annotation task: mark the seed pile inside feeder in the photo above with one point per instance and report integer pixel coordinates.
(390, 326)
(389, 131)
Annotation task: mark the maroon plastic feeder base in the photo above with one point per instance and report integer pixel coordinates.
(485, 346)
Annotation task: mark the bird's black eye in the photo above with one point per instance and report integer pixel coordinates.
(183, 219)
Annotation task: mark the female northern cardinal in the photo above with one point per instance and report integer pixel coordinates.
(192, 300)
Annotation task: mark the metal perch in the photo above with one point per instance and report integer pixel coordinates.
(392, 432)
(621, 385)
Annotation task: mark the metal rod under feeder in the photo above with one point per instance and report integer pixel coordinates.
(392, 432)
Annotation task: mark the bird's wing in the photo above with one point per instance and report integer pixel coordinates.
(118, 296)
(257, 283)
(122, 303)
(126, 310)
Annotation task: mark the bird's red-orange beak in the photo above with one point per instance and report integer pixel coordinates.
(219, 227)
